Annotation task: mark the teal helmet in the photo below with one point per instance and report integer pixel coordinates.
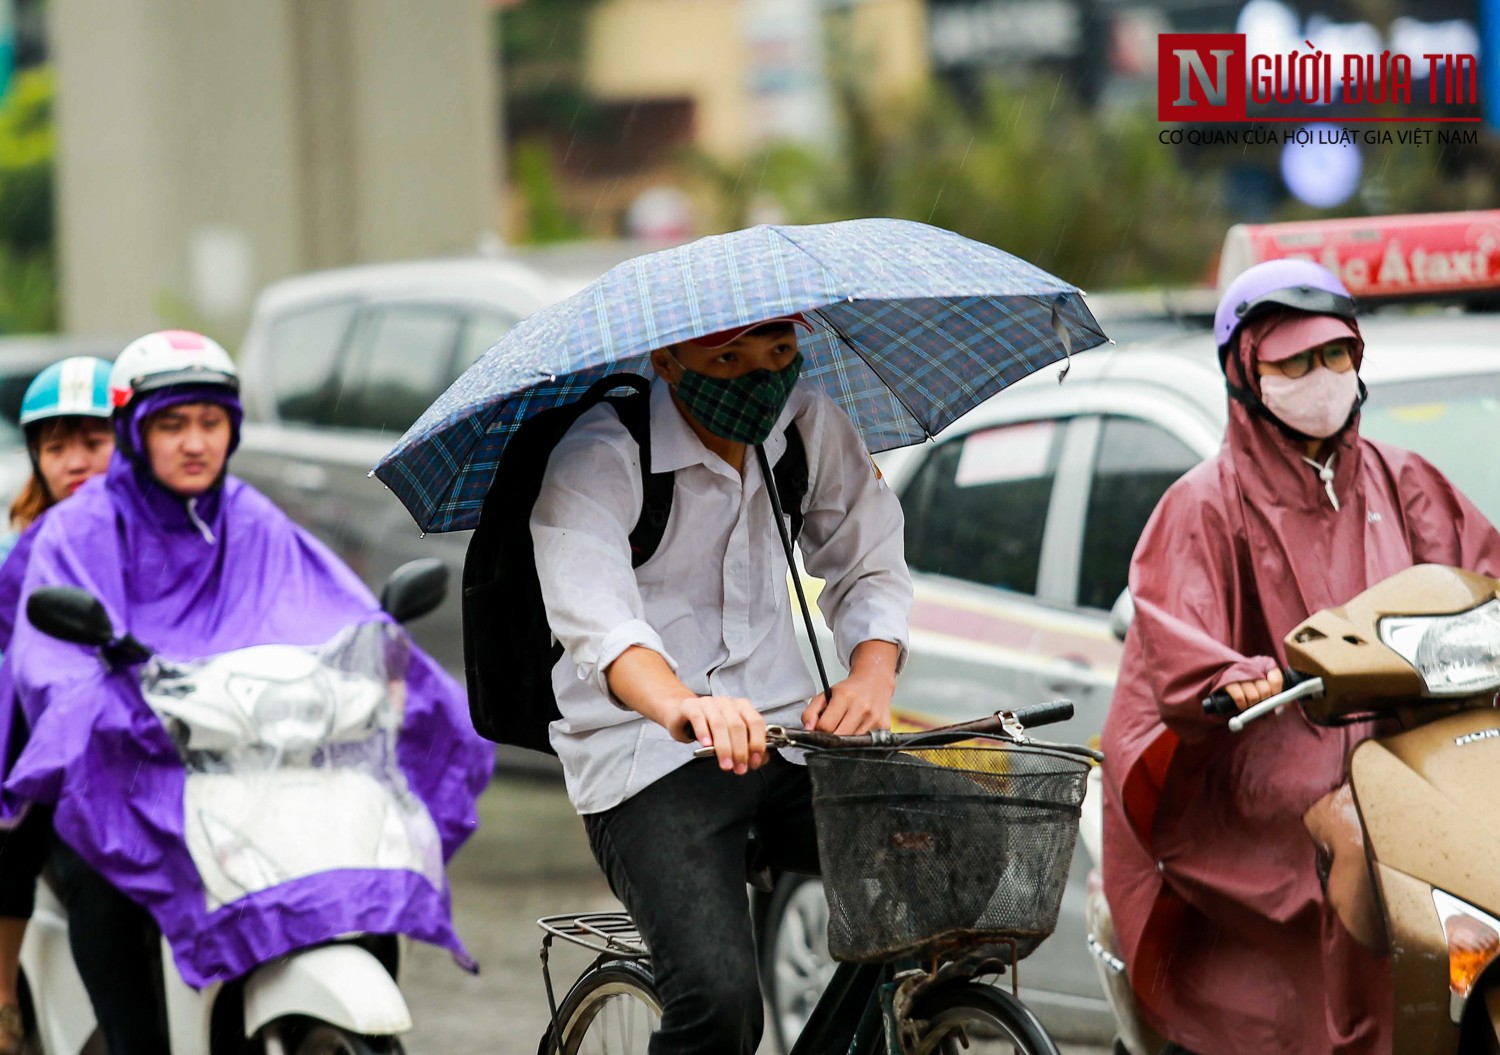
(75, 387)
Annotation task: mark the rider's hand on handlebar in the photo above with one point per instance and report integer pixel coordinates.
(862, 701)
(1249, 693)
(730, 725)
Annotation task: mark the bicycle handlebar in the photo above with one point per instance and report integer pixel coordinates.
(1005, 725)
(1044, 713)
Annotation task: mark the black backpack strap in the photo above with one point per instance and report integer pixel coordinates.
(656, 488)
(791, 476)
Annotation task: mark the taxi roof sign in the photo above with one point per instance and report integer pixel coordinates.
(1380, 257)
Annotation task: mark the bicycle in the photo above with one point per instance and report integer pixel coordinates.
(921, 835)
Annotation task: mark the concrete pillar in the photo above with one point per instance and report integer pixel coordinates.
(206, 147)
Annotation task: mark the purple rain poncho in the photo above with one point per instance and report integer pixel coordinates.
(191, 579)
(12, 725)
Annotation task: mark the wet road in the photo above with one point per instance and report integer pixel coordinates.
(529, 858)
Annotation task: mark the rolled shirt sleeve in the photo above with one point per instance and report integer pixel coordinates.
(853, 538)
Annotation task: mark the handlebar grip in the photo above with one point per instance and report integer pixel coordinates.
(1220, 705)
(1044, 713)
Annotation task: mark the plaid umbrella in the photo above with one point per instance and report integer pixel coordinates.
(914, 326)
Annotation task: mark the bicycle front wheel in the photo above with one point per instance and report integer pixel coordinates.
(974, 1019)
(611, 1010)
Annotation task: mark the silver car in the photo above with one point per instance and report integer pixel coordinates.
(335, 366)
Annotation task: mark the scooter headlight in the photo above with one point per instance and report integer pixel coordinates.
(293, 715)
(1473, 943)
(1456, 655)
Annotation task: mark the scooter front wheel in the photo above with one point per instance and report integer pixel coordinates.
(319, 1038)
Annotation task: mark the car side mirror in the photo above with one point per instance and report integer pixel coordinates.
(1121, 615)
(70, 614)
(414, 589)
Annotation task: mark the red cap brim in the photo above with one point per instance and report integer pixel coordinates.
(1288, 336)
(723, 337)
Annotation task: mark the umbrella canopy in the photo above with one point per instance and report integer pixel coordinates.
(913, 326)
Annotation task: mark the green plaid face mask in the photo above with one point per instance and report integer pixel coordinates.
(742, 409)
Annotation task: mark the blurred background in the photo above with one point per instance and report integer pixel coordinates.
(162, 160)
(357, 197)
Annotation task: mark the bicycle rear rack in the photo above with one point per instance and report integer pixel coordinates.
(611, 933)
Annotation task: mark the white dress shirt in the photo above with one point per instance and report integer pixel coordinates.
(713, 599)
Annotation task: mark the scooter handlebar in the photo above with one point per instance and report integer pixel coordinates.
(1222, 705)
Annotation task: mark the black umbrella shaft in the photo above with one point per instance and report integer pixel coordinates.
(791, 563)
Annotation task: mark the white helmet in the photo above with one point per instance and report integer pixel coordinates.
(170, 357)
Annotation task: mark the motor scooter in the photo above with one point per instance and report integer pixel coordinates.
(289, 760)
(1410, 844)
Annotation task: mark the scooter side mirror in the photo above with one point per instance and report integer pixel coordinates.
(1121, 615)
(70, 614)
(414, 589)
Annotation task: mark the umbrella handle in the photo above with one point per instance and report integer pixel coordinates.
(786, 544)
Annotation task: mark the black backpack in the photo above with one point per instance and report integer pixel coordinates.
(509, 651)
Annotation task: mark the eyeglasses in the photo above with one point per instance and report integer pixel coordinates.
(1337, 356)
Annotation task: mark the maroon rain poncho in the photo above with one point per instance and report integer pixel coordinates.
(1208, 868)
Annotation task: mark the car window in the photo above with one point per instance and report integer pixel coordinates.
(977, 509)
(11, 435)
(13, 388)
(1442, 420)
(1137, 461)
(481, 329)
(397, 365)
(304, 349)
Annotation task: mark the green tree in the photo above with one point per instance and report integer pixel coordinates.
(1089, 195)
(541, 45)
(28, 279)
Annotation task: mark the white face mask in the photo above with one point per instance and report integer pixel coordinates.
(1315, 404)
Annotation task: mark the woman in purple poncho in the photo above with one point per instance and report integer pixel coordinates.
(65, 414)
(195, 563)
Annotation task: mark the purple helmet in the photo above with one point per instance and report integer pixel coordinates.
(1298, 284)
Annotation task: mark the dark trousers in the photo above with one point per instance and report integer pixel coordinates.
(23, 852)
(117, 948)
(675, 854)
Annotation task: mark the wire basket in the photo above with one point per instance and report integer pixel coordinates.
(929, 850)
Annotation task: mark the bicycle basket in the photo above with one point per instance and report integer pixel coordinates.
(933, 849)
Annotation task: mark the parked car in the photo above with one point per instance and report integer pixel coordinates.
(1020, 522)
(334, 368)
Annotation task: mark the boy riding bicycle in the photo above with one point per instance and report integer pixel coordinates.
(696, 647)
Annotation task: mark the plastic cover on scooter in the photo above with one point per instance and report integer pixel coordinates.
(289, 770)
(262, 799)
(290, 759)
